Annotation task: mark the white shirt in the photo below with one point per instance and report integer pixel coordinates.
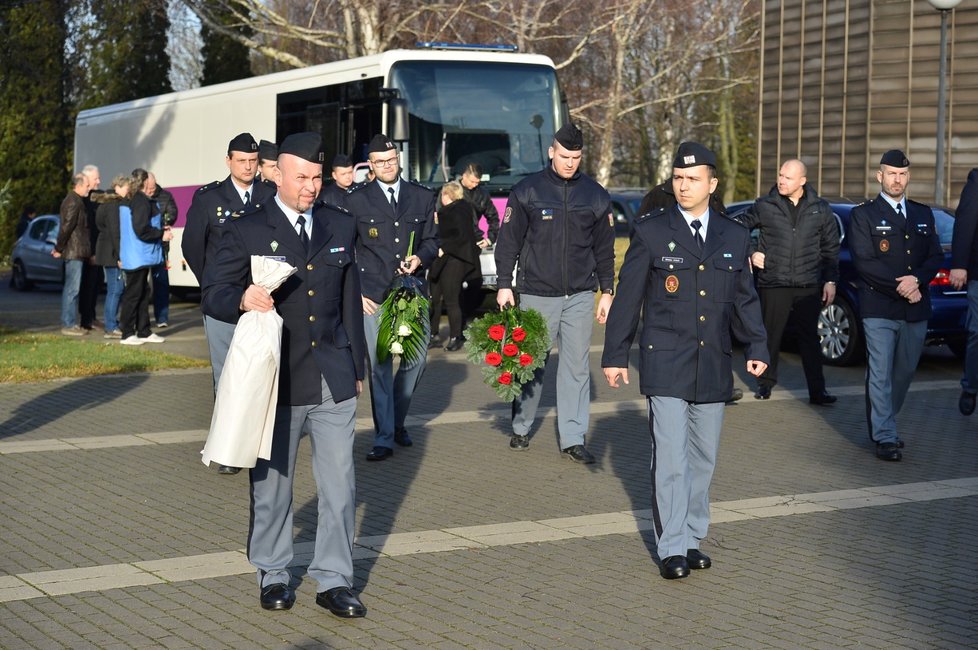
(397, 189)
(293, 217)
(893, 204)
(704, 220)
(241, 192)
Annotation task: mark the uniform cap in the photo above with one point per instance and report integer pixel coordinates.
(570, 137)
(306, 145)
(693, 154)
(242, 142)
(267, 150)
(895, 158)
(380, 144)
(341, 160)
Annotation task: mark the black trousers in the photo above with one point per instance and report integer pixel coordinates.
(448, 289)
(800, 306)
(134, 309)
(91, 280)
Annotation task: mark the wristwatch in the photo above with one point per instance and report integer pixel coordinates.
(608, 292)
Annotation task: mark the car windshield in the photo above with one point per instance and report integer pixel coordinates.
(945, 226)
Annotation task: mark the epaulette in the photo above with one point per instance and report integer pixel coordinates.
(208, 187)
(246, 211)
(923, 205)
(731, 219)
(327, 204)
(356, 187)
(658, 212)
(421, 185)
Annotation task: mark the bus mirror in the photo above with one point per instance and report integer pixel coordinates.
(397, 118)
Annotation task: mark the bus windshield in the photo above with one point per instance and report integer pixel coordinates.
(499, 115)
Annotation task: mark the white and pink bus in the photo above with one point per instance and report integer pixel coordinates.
(445, 105)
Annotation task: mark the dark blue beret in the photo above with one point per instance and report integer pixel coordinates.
(895, 158)
(570, 137)
(242, 142)
(306, 145)
(693, 154)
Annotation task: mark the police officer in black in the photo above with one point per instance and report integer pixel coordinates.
(267, 162)
(211, 208)
(342, 175)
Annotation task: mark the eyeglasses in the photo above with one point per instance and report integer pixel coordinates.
(390, 162)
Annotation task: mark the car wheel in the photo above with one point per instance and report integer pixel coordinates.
(839, 333)
(18, 278)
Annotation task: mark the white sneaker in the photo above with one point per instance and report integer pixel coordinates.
(132, 340)
(152, 338)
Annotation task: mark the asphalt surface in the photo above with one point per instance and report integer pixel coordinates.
(115, 535)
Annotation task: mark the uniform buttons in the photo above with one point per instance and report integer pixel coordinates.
(910, 268)
(396, 223)
(702, 268)
(313, 344)
(651, 347)
(398, 256)
(702, 318)
(702, 344)
(312, 319)
(312, 293)
(908, 252)
(670, 267)
(363, 270)
(396, 240)
(702, 292)
(308, 267)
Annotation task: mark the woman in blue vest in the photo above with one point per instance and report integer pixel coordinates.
(141, 237)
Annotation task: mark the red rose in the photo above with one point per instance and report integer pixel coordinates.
(494, 358)
(497, 332)
(525, 359)
(519, 334)
(510, 350)
(506, 378)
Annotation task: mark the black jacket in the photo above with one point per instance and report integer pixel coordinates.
(107, 220)
(480, 200)
(458, 240)
(964, 244)
(561, 232)
(797, 253)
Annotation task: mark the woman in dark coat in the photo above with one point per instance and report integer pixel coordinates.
(457, 263)
(107, 249)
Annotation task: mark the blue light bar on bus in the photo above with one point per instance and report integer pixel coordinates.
(479, 47)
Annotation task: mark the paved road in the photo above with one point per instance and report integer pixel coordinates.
(115, 535)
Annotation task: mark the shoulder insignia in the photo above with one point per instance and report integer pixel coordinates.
(731, 220)
(918, 203)
(658, 212)
(332, 206)
(249, 210)
(356, 187)
(421, 185)
(208, 187)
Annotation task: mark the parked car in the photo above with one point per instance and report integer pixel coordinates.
(839, 327)
(31, 256)
(625, 203)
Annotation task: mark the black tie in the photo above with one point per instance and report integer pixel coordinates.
(390, 190)
(695, 223)
(303, 235)
(900, 212)
(247, 198)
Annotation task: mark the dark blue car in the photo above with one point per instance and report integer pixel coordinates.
(839, 327)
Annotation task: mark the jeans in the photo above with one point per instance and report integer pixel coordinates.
(69, 295)
(161, 293)
(114, 284)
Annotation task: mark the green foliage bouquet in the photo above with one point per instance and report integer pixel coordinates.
(509, 345)
(404, 321)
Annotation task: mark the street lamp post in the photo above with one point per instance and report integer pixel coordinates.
(945, 7)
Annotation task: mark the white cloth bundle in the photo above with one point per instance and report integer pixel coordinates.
(247, 392)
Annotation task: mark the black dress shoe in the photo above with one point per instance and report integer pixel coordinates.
(736, 395)
(697, 559)
(888, 451)
(380, 453)
(674, 566)
(401, 437)
(227, 470)
(578, 454)
(966, 403)
(435, 343)
(519, 443)
(763, 392)
(341, 602)
(454, 344)
(277, 596)
(824, 399)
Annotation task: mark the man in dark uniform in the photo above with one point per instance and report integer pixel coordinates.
(267, 162)
(388, 210)
(342, 174)
(687, 269)
(211, 208)
(321, 371)
(896, 252)
(558, 226)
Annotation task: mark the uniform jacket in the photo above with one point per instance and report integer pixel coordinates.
(332, 194)
(562, 234)
(320, 304)
(107, 220)
(211, 208)
(690, 302)
(964, 244)
(884, 249)
(74, 241)
(482, 202)
(797, 253)
(383, 237)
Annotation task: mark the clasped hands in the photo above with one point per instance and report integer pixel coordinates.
(909, 288)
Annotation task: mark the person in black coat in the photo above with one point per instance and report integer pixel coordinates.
(457, 263)
(107, 250)
(322, 368)
(964, 273)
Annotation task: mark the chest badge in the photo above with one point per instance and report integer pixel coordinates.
(672, 284)
(672, 246)
(373, 233)
(274, 245)
(884, 245)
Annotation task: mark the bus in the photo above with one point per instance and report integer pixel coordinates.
(444, 105)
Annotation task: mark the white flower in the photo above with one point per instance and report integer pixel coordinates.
(396, 347)
(404, 330)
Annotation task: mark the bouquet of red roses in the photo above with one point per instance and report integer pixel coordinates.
(509, 345)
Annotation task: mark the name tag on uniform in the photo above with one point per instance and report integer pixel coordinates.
(884, 228)
(547, 214)
(728, 255)
(673, 260)
(277, 258)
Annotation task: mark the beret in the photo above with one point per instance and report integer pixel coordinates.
(570, 137)
(895, 158)
(341, 160)
(267, 150)
(242, 142)
(306, 145)
(693, 154)
(380, 143)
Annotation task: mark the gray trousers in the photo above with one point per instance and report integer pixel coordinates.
(893, 349)
(270, 544)
(685, 438)
(219, 335)
(390, 391)
(570, 320)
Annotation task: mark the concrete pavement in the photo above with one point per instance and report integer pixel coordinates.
(116, 536)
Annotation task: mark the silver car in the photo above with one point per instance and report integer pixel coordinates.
(31, 256)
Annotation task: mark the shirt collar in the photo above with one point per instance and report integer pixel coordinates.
(893, 204)
(704, 219)
(293, 216)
